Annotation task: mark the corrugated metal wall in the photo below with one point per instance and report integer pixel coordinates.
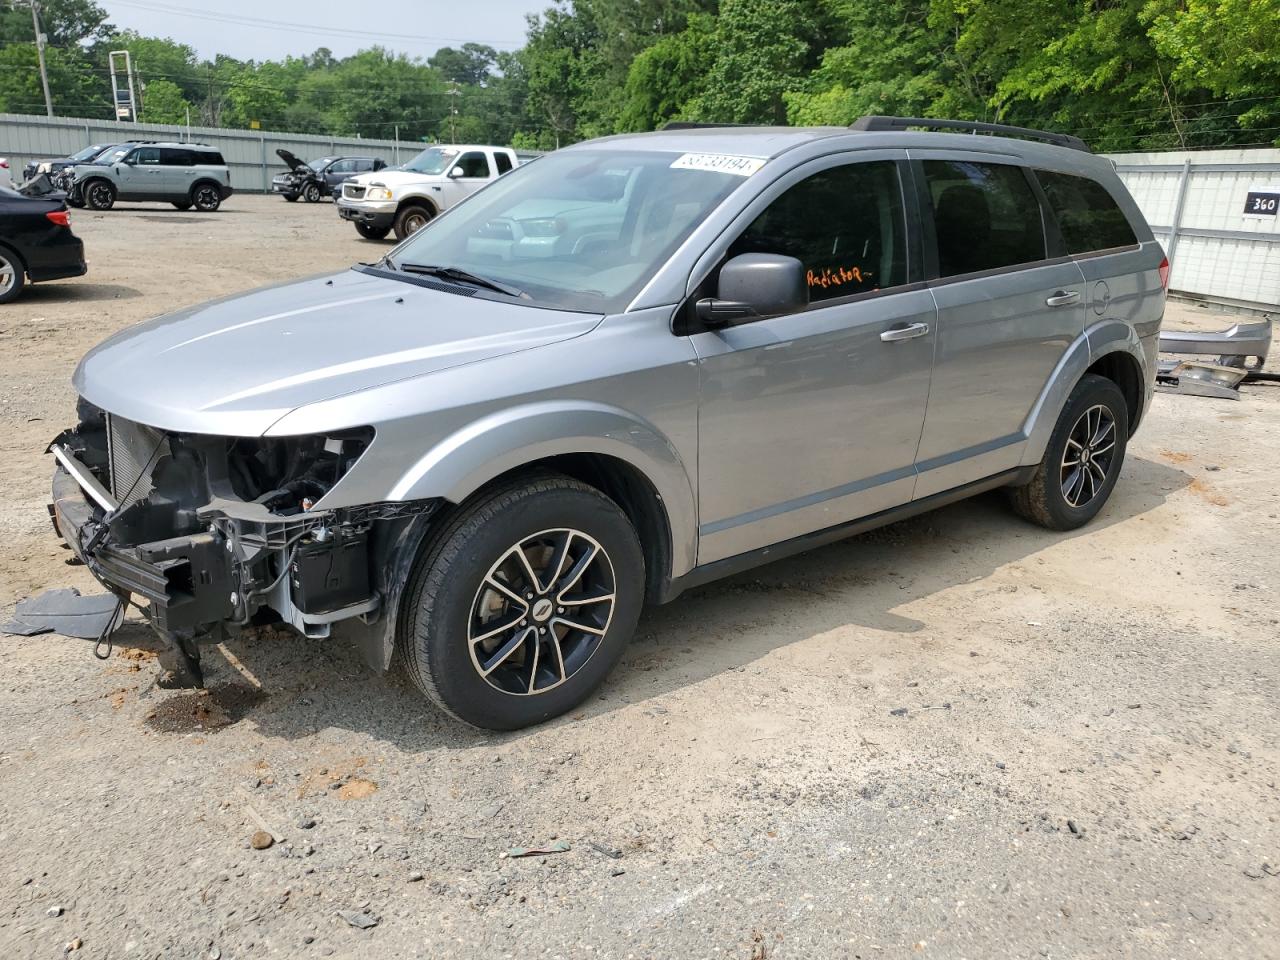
(250, 154)
(1195, 203)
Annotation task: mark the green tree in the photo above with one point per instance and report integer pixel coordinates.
(472, 64)
(74, 89)
(163, 102)
(665, 77)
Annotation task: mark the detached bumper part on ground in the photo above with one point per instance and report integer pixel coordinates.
(1221, 379)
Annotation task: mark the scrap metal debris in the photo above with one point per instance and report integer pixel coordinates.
(560, 846)
(1234, 348)
(66, 612)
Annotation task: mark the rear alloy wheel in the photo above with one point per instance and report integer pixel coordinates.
(99, 195)
(1082, 461)
(410, 220)
(523, 603)
(370, 232)
(206, 197)
(13, 277)
(311, 193)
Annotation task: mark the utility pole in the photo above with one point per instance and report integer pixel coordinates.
(40, 39)
(454, 92)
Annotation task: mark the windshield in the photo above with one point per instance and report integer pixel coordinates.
(579, 230)
(432, 160)
(114, 154)
(321, 163)
(88, 153)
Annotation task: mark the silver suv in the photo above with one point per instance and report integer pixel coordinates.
(184, 174)
(634, 366)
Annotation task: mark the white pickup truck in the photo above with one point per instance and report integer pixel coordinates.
(405, 198)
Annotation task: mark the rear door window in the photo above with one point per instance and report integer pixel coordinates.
(1088, 216)
(985, 216)
(845, 224)
(172, 157)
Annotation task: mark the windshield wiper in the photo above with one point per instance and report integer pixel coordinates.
(455, 273)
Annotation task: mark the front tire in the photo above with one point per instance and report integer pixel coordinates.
(98, 195)
(370, 232)
(411, 219)
(13, 276)
(1082, 461)
(522, 605)
(311, 193)
(291, 197)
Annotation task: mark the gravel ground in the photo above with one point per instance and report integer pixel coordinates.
(961, 736)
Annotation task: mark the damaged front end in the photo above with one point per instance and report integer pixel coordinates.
(216, 533)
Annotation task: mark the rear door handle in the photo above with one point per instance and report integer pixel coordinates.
(1064, 298)
(909, 332)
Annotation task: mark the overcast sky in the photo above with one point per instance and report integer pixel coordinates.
(271, 29)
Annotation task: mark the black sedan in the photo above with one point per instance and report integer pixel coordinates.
(36, 242)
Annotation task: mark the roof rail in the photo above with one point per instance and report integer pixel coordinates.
(695, 125)
(972, 126)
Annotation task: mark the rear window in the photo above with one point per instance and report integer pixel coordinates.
(986, 216)
(1089, 217)
(503, 162)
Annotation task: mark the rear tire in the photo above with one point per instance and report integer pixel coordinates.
(206, 197)
(1082, 461)
(523, 603)
(98, 195)
(13, 276)
(372, 233)
(411, 219)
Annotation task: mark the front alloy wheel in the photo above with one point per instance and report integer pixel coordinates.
(541, 612)
(522, 602)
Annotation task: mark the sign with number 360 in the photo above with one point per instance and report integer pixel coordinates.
(1262, 201)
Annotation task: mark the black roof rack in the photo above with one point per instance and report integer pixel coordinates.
(695, 125)
(971, 126)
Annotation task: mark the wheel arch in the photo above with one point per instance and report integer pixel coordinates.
(17, 255)
(418, 200)
(1110, 349)
(605, 447)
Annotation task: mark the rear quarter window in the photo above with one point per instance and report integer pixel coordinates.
(1089, 217)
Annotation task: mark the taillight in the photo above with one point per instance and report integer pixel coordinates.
(60, 217)
(1164, 273)
(4, 164)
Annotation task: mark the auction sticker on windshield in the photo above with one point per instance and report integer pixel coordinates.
(719, 163)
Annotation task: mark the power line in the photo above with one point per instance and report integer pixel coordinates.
(301, 26)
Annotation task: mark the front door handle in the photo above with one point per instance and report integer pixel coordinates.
(1064, 298)
(909, 332)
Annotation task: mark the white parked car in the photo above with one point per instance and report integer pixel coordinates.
(407, 197)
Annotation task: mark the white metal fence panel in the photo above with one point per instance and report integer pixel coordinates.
(250, 154)
(1217, 212)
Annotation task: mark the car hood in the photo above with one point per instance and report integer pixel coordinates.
(398, 178)
(290, 160)
(235, 366)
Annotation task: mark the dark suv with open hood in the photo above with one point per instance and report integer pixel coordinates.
(320, 178)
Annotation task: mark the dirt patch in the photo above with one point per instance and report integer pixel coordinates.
(205, 710)
(1207, 493)
(357, 789)
(1176, 456)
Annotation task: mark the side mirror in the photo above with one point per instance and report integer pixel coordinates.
(754, 286)
(457, 172)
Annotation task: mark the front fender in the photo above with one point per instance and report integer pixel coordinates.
(463, 462)
(1107, 336)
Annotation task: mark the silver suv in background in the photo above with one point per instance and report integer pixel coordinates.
(184, 174)
(637, 365)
